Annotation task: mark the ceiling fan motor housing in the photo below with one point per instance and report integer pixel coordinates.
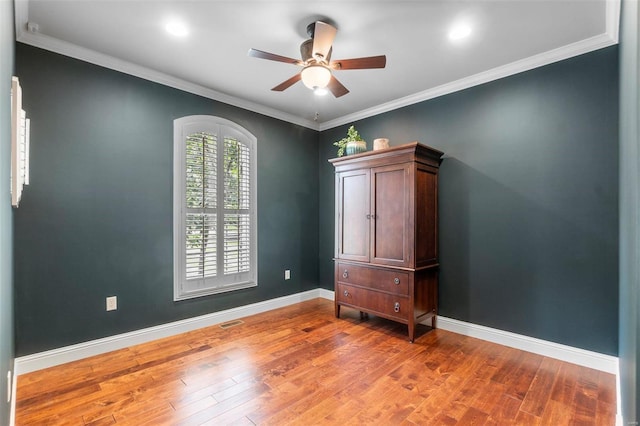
(316, 63)
(306, 53)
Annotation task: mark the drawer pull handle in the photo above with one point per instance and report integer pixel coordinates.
(396, 308)
(396, 281)
(346, 293)
(345, 274)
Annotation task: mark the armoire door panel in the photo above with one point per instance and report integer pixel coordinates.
(354, 215)
(391, 214)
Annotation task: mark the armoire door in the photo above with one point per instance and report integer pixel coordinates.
(353, 215)
(392, 215)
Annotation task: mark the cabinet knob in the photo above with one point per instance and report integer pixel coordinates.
(345, 274)
(368, 216)
(396, 281)
(396, 308)
(346, 293)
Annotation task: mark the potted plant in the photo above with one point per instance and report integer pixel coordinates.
(351, 144)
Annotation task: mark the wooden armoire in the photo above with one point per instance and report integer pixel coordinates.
(386, 244)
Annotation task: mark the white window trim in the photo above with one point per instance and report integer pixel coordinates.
(182, 127)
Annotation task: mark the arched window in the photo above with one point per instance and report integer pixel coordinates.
(214, 207)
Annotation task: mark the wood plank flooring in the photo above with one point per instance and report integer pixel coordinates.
(301, 365)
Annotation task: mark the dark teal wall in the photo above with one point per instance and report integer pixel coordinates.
(97, 218)
(528, 199)
(629, 211)
(6, 214)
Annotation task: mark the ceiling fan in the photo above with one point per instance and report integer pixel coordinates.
(316, 62)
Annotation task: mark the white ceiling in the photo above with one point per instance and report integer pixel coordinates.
(507, 37)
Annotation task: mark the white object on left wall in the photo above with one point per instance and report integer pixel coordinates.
(20, 134)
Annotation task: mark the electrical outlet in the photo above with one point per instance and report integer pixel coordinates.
(287, 274)
(112, 303)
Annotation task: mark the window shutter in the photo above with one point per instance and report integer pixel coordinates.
(214, 207)
(237, 227)
(200, 188)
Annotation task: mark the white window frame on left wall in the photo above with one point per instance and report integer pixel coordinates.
(20, 135)
(218, 132)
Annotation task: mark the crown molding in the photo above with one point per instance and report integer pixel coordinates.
(612, 20)
(91, 56)
(608, 38)
(21, 12)
(566, 52)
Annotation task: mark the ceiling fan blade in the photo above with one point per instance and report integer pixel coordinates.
(272, 57)
(286, 84)
(360, 63)
(336, 87)
(323, 39)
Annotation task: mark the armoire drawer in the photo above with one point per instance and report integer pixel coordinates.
(374, 301)
(391, 281)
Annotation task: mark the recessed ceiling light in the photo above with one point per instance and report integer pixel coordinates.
(176, 28)
(459, 31)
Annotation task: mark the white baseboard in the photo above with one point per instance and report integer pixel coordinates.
(14, 387)
(595, 360)
(38, 361)
(327, 294)
(66, 354)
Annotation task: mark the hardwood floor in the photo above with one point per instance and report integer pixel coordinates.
(301, 365)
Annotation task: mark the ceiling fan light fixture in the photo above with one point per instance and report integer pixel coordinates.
(316, 77)
(316, 64)
(320, 91)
